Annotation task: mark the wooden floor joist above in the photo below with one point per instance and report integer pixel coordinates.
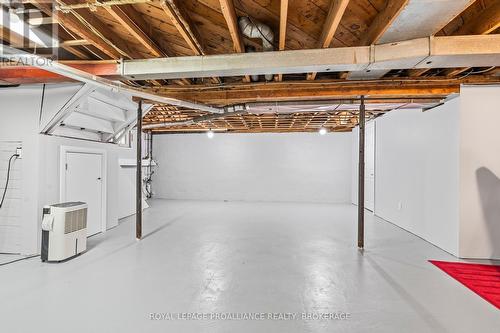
(335, 121)
(320, 90)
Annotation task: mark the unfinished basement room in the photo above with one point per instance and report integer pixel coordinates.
(227, 166)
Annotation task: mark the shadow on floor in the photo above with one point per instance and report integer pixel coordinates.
(160, 228)
(419, 309)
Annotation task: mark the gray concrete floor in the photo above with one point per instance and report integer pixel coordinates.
(214, 257)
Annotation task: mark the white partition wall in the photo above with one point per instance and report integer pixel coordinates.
(480, 172)
(19, 110)
(36, 177)
(297, 167)
(369, 165)
(417, 172)
(438, 172)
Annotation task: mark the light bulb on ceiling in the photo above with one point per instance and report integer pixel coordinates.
(322, 131)
(210, 134)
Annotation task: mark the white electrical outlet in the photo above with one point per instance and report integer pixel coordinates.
(19, 152)
(400, 205)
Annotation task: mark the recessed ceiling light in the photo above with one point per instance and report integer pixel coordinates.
(322, 131)
(210, 134)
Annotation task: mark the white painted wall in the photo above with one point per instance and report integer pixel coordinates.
(11, 210)
(19, 115)
(480, 172)
(20, 121)
(297, 167)
(438, 173)
(416, 174)
(369, 165)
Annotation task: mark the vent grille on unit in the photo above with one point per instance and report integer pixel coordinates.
(75, 220)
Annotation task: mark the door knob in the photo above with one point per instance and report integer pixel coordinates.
(99, 178)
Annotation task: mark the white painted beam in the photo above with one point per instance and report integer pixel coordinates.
(462, 51)
(256, 63)
(429, 52)
(367, 74)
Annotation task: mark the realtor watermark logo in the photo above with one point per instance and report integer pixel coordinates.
(245, 316)
(29, 29)
(23, 60)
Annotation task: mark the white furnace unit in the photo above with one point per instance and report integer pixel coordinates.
(64, 230)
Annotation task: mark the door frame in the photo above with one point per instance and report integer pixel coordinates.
(64, 150)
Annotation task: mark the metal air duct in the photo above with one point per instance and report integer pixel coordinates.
(260, 30)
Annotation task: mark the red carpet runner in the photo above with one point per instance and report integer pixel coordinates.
(484, 280)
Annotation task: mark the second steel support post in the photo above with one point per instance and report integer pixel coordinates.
(138, 180)
(361, 176)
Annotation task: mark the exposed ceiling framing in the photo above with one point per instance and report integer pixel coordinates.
(239, 93)
(257, 123)
(97, 37)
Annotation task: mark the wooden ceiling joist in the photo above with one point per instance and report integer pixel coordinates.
(283, 24)
(132, 23)
(227, 8)
(74, 42)
(417, 72)
(321, 90)
(335, 13)
(36, 21)
(135, 24)
(455, 71)
(12, 38)
(69, 45)
(98, 27)
(382, 21)
(181, 20)
(75, 51)
(487, 21)
(74, 25)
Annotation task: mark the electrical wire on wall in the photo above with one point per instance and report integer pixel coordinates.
(16, 155)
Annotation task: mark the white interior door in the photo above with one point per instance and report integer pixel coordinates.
(370, 166)
(84, 183)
